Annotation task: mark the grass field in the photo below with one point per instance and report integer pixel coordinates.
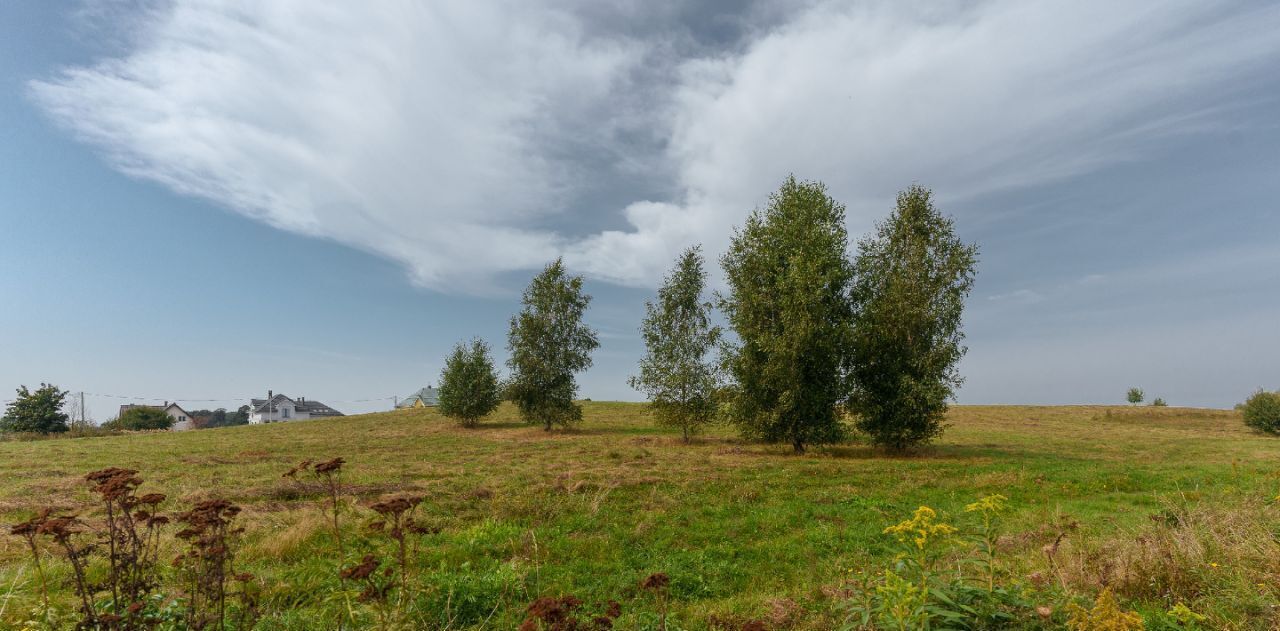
(744, 531)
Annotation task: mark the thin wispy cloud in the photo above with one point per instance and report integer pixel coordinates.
(465, 140)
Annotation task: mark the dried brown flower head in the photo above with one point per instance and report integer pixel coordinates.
(330, 466)
(656, 581)
(363, 570)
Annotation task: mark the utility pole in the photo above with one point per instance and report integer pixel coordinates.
(82, 408)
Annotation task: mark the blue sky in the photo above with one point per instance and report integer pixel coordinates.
(204, 200)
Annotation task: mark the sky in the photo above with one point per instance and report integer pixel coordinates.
(201, 200)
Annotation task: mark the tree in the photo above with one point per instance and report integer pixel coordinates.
(241, 416)
(142, 417)
(469, 384)
(913, 274)
(675, 373)
(1159, 402)
(38, 411)
(1261, 411)
(789, 277)
(1135, 395)
(548, 343)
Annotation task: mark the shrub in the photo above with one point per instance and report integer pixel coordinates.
(1262, 411)
(1158, 402)
(141, 418)
(469, 387)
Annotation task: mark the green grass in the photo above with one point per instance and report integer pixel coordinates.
(745, 531)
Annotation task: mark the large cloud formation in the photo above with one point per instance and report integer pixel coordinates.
(469, 139)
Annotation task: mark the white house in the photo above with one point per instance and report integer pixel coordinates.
(181, 420)
(277, 407)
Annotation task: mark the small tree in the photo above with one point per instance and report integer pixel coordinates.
(675, 372)
(913, 275)
(142, 417)
(38, 411)
(469, 384)
(1159, 403)
(1262, 411)
(789, 276)
(548, 343)
(1135, 395)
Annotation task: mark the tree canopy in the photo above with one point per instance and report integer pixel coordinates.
(789, 276)
(676, 374)
(912, 277)
(548, 342)
(39, 411)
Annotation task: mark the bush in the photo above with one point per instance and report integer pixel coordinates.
(469, 388)
(140, 418)
(1158, 402)
(1262, 411)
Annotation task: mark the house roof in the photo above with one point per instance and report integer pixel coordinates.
(314, 408)
(165, 407)
(428, 396)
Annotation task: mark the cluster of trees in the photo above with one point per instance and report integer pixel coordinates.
(221, 417)
(548, 343)
(818, 336)
(44, 411)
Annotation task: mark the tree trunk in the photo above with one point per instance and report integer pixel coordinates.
(547, 427)
(799, 446)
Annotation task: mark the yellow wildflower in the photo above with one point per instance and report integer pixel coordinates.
(920, 528)
(988, 504)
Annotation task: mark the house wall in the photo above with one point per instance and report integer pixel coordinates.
(181, 422)
(284, 411)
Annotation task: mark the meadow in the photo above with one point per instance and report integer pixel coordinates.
(1165, 506)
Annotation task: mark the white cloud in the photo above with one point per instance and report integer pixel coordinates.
(433, 133)
(872, 97)
(413, 130)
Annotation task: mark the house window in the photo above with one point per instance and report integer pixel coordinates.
(181, 418)
(284, 412)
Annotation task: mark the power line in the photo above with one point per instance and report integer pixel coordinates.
(182, 400)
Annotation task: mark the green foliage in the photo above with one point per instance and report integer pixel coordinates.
(1158, 402)
(913, 276)
(789, 280)
(920, 593)
(1262, 411)
(469, 384)
(1135, 395)
(675, 372)
(38, 411)
(548, 343)
(140, 418)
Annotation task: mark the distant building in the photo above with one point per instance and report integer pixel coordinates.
(426, 397)
(277, 407)
(181, 420)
